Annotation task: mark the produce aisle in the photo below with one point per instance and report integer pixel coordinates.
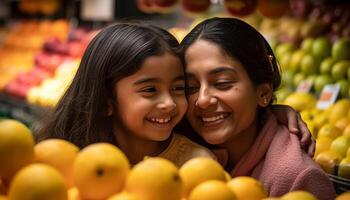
(41, 46)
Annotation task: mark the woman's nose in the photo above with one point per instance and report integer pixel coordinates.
(205, 98)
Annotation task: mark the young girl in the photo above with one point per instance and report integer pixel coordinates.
(232, 73)
(129, 91)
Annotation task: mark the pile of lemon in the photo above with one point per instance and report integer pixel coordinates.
(55, 169)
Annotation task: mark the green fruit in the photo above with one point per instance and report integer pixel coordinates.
(340, 69)
(326, 65)
(284, 61)
(282, 94)
(321, 48)
(344, 87)
(283, 48)
(341, 49)
(287, 78)
(309, 65)
(321, 81)
(298, 77)
(295, 60)
(306, 45)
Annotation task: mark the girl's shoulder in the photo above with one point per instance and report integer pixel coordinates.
(182, 149)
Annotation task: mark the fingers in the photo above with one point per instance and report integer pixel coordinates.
(293, 121)
(306, 137)
(311, 150)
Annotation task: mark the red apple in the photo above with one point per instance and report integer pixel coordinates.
(273, 8)
(195, 6)
(240, 7)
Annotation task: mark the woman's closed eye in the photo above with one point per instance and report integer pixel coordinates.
(224, 85)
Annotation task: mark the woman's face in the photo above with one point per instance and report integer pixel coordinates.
(152, 101)
(222, 100)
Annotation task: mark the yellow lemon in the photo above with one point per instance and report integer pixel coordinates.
(155, 179)
(300, 195)
(340, 145)
(328, 160)
(73, 194)
(320, 120)
(347, 130)
(100, 170)
(124, 196)
(344, 168)
(342, 123)
(212, 189)
(59, 154)
(39, 182)
(343, 196)
(16, 147)
(228, 176)
(198, 170)
(247, 188)
(340, 110)
(322, 144)
(301, 101)
(330, 131)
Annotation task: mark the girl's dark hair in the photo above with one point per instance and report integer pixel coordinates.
(116, 52)
(240, 41)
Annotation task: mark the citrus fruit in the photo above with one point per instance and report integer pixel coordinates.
(73, 194)
(322, 144)
(343, 196)
(342, 123)
(16, 147)
(321, 81)
(328, 160)
(344, 88)
(330, 131)
(155, 179)
(2, 197)
(340, 145)
(198, 170)
(326, 66)
(100, 170)
(340, 69)
(300, 195)
(59, 154)
(341, 49)
(340, 110)
(212, 189)
(347, 130)
(124, 196)
(295, 60)
(247, 188)
(321, 47)
(301, 101)
(306, 44)
(344, 168)
(39, 182)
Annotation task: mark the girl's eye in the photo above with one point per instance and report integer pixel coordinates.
(148, 90)
(224, 85)
(178, 88)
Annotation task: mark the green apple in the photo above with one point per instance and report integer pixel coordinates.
(295, 60)
(309, 65)
(321, 81)
(341, 49)
(344, 87)
(306, 45)
(326, 65)
(340, 69)
(321, 48)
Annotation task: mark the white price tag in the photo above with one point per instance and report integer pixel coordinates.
(328, 96)
(305, 86)
(97, 10)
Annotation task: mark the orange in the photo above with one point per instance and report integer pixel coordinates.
(59, 154)
(212, 189)
(155, 179)
(342, 123)
(124, 196)
(322, 144)
(198, 170)
(300, 195)
(343, 196)
(100, 170)
(16, 147)
(328, 160)
(330, 131)
(39, 182)
(339, 110)
(247, 188)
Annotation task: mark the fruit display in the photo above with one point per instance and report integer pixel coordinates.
(56, 169)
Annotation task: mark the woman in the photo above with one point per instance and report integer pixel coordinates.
(231, 76)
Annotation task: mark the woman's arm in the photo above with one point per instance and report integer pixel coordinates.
(291, 118)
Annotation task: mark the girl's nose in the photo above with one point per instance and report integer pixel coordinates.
(167, 104)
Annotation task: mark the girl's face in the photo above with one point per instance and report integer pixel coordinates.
(152, 101)
(222, 100)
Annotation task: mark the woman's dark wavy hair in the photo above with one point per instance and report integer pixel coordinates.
(117, 51)
(240, 41)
